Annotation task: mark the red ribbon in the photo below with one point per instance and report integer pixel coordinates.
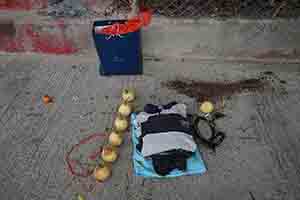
(132, 25)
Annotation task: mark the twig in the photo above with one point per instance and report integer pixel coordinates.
(86, 114)
(279, 8)
(252, 196)
(248, 138)
(69, 184)
(223, 103)
(34, 114)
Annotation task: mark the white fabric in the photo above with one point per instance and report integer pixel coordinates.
(160, 142)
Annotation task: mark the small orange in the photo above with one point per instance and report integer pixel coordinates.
(47, 99)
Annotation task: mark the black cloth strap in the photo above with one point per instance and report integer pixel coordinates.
(216, 137)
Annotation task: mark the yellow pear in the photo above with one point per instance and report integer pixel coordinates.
(120, 124)
(80, 197)
(109, 154)
(102, 173)
(128, 95)
(125, 109)
(115, 139)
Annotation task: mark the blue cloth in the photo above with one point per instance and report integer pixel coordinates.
(144, 167)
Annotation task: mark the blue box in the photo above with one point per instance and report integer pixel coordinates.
(119, 55)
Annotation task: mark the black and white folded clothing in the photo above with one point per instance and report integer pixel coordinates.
(162, 133)
(167, 164)
(178, 108)
(165, 135)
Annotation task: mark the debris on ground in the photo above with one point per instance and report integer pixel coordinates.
(207, 90)
(216, 90)
(86, 114)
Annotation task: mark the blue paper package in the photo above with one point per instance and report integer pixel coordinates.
(118, 54)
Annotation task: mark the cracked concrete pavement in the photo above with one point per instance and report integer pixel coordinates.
(258, 160)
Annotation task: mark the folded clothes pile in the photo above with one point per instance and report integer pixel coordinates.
(163, 142)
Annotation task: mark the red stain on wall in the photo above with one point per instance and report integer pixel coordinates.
(22, 4)
(12, 43)
(90, 3)
(28, 39)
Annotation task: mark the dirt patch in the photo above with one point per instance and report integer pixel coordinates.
(279, 53)
(214, 91)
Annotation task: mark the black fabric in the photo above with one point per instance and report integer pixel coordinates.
(216, 137)
(164, 123)
(152, 109)
(166, 162)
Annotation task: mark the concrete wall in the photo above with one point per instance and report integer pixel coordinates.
(49, 26)
(28, 37)
(274, 41)
(206, 39)
(22, 4)
(230, 40)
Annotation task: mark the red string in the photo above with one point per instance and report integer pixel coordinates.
(95, 154)
(72, 163)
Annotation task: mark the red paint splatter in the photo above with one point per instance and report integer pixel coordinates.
(38, 41)
(22, 4)
(13, 44)
(61, 23)
(90, 3)
(46, 43)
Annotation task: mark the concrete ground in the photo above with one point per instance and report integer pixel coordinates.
(258, 160)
